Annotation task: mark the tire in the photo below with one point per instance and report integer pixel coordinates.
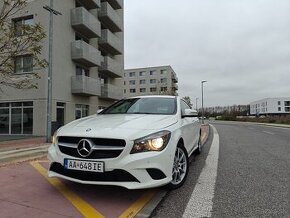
(179, 169)
(199, 148)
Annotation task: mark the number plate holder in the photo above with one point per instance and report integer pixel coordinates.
(84, 165)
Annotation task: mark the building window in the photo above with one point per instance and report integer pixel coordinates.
(163, 72)
(163, 80)
(152, 72)
(132, 90)
(142, 81)
(16, 118)
(124, 83)
(287, 109)
(287, 103)
(124, 90)
(279, 108)
(132, 82)
(154, 89)
(152, 81)
(163, 89)
(82, 38)
(279, 102)
(60, 114)
(124, 74)
(142, 73)
(142, 89)
(81, 110)
(80, 71)
(132, 74)
(21, 23)
(23, 64)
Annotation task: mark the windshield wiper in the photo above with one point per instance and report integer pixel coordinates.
(140, 113)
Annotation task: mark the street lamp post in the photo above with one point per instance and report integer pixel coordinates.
(196, 103)
(49, 77)
(202, 109)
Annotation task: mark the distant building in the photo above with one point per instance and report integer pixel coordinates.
(270, 106)
(150, 81)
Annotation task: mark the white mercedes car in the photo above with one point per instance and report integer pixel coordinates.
(140, 142)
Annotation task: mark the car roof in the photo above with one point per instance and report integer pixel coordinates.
(154, 96)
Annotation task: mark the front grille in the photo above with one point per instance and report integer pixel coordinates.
(101, 154)
(97, 141)
(111, 176)
(102, 149)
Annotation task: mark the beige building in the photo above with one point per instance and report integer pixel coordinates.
(161, 80)
(88, 65)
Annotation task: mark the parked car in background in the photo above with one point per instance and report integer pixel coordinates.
(140, 142)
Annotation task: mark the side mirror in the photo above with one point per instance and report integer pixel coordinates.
(190, 113)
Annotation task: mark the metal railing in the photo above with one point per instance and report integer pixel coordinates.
(85, 23)
(84, 85)
(85, 54)
(112, 92)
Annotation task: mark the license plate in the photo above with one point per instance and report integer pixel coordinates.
(91, 166)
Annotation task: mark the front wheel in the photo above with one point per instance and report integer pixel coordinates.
(180, 168)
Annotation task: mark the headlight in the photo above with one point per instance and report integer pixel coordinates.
(54, 137)
(153, 142)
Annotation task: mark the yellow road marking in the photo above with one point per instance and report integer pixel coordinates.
(138, 205)
(42, 161)
(82, 206)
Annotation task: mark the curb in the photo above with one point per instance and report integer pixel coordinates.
(20, 154)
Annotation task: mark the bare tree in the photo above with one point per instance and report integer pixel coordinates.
(19, 40)
(187, 100)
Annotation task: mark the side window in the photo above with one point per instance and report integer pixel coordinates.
(183, 106)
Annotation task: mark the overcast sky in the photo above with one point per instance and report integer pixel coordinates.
(241, 47)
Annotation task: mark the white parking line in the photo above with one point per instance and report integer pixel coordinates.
(200, 203)
(269, 132)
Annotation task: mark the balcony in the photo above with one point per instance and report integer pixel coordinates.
(109, 18)
(111, 92)
(175, 86)
(90, 4)
(116, 4)
(111, 43)
(85, 54)
(85, 23)
(111, 68)
(174, 77)
(85, 86)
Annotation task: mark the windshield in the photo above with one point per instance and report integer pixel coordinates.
(166, 106)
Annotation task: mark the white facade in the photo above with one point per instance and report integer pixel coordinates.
(150, 81)
(88, 65)
(270, 106)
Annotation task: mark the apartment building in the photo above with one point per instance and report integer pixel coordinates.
(270, 106)
(161, 80)
(88, 65)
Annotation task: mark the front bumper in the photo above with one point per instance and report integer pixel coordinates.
(132, 171)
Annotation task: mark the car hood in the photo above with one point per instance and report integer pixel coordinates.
(118, 125)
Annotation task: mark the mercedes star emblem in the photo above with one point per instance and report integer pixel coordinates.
(85, 147)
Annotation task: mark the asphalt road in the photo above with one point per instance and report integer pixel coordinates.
(253, 174)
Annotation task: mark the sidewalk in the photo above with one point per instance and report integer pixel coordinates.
(22, 143)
